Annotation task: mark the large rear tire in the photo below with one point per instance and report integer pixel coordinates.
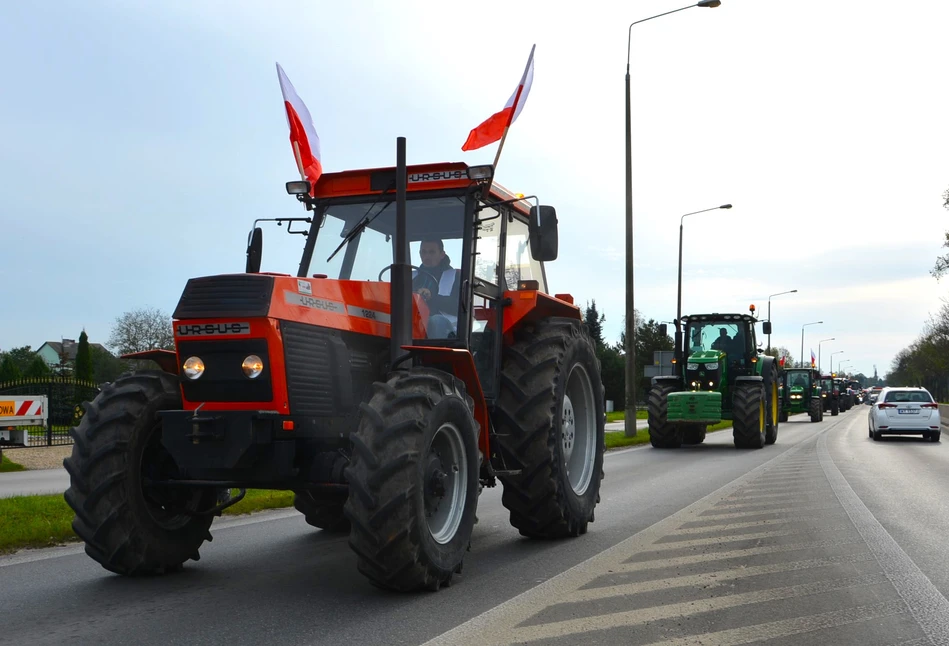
(749, 411)
(129, 528)
(413, 481)
(662, 433)
(783, 417)
(550, 427)
(834, 408)
(323, 514)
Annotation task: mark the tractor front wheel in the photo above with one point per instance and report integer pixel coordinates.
(662, 433)
(129, 527)
(815, 410)
(750, 412)
(413, 481)
(550, 428)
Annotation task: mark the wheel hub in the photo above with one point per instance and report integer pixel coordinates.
(435, 480)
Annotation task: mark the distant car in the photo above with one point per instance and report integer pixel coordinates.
(905, 411)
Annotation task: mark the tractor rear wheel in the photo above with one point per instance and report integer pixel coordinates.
(815, 410)
(783, 416)
(662, 433)
(748, 428)
(128, 527)
(550, 427)
(834, 408)
(772, 405)
(413, 481)
(322, 514)
(694, 433)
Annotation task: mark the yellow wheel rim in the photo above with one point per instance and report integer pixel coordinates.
(774, 403)
(761, 416)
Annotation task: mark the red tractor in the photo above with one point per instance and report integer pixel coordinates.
(385, 405)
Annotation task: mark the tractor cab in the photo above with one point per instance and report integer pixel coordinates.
(721, 347)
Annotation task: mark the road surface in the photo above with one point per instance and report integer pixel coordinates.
(824, 538)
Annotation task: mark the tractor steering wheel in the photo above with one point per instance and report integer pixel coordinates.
(422, 279)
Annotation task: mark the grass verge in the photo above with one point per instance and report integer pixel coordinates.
(7, 465)
(45, 521)
(618, 440)
(620, 415)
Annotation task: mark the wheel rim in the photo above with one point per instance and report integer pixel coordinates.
(446, 478)
(578, 429)
(774, 403)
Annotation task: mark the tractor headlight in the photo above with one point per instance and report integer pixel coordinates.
(252, 366)
(711, 366)
(193, 367)
(691, 366)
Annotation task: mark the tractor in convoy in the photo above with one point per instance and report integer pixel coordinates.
(801, 393)
(721, 373)
(384, 394)
(830, 395)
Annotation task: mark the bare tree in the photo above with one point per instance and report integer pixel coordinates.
(143, 329)
(942, 262)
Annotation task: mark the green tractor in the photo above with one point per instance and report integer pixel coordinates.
(725, 376)
(801, 393)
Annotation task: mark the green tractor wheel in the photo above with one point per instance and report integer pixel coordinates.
(662, 433)
(772, 406)
(750, 420)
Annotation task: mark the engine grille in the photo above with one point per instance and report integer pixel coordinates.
(223, 296)
(328, 371)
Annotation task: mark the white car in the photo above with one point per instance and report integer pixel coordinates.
(905, 411)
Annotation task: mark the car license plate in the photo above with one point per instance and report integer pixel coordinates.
(907, 411)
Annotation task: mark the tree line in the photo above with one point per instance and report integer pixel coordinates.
(134, 331)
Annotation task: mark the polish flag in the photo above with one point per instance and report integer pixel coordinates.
(303, 137)
(813, 359)
(492, 129)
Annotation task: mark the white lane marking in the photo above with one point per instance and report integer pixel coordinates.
(797, 626)
(735, 538)
(712, 579)
(580, 625)
(929, 607)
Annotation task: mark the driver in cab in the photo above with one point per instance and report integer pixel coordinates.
(438, 283)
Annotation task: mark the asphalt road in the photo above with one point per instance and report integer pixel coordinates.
(825, 537)
(26, 483)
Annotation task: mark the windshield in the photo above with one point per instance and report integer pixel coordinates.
(713, 335)
(801, 379)
(369, 253)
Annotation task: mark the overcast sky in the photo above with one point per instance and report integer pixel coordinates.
(138, 141)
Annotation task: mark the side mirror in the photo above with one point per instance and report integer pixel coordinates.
(662, 330)
(766, 327)
(255, 246)
(543, 233)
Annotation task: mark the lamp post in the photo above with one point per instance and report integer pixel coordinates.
(842, 362)
(818, 351)
(678, 321)
(793, 291)
(630, 425)
(832, 361)
(802, 338)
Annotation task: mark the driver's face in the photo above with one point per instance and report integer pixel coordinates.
(431, 254)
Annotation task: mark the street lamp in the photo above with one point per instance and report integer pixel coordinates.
(630, 424)
(802, 339)
(841, 363)
(832, 360)
(678, 321)
(793, 291)
(818, 350)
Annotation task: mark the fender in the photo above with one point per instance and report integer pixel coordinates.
(460, 363)
(666, 379)
(167, 360)
(752, 379)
